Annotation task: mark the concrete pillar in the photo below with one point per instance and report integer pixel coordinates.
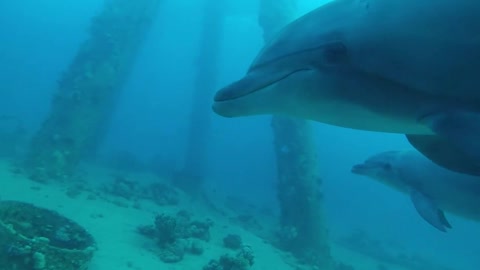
(88, 89)
(205, 82)
(304, 232)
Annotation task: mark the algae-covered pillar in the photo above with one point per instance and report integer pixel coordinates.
(205, 81)
(304, 231)
(87, 90)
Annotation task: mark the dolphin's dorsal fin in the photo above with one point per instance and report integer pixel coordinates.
(429, 211)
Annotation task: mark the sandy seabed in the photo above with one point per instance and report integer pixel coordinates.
(114, 227)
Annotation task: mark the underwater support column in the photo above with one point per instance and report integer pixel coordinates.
(304, 232)
(205, 81)
(87, 90)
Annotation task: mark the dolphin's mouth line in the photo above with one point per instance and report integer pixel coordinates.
(358, 168)
(229, 93)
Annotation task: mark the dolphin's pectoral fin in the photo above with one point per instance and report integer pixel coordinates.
(460, 127)
(457, 146)
(444, 153)
(443, 219)
(429, 211)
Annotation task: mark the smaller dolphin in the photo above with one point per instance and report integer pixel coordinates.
(431, 187)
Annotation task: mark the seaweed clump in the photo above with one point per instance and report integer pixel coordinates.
(38, 238)
(232, 241)
(160, 193)
(243, 260)
(177, 235)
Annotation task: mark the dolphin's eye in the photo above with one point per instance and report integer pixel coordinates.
(335, 53)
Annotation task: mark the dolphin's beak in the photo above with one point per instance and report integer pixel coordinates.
(249, 96)
(360, 168)
(237, 89)
(230, 101)
(231, 104)
(222, 108)
(254, 81)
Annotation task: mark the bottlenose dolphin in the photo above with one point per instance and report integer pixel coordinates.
(399, 66)
(432, 188)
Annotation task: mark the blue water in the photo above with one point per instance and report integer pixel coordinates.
(38, 39)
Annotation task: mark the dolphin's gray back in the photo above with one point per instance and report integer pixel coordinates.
(306, 34)
(431, 46)
(453, 192)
